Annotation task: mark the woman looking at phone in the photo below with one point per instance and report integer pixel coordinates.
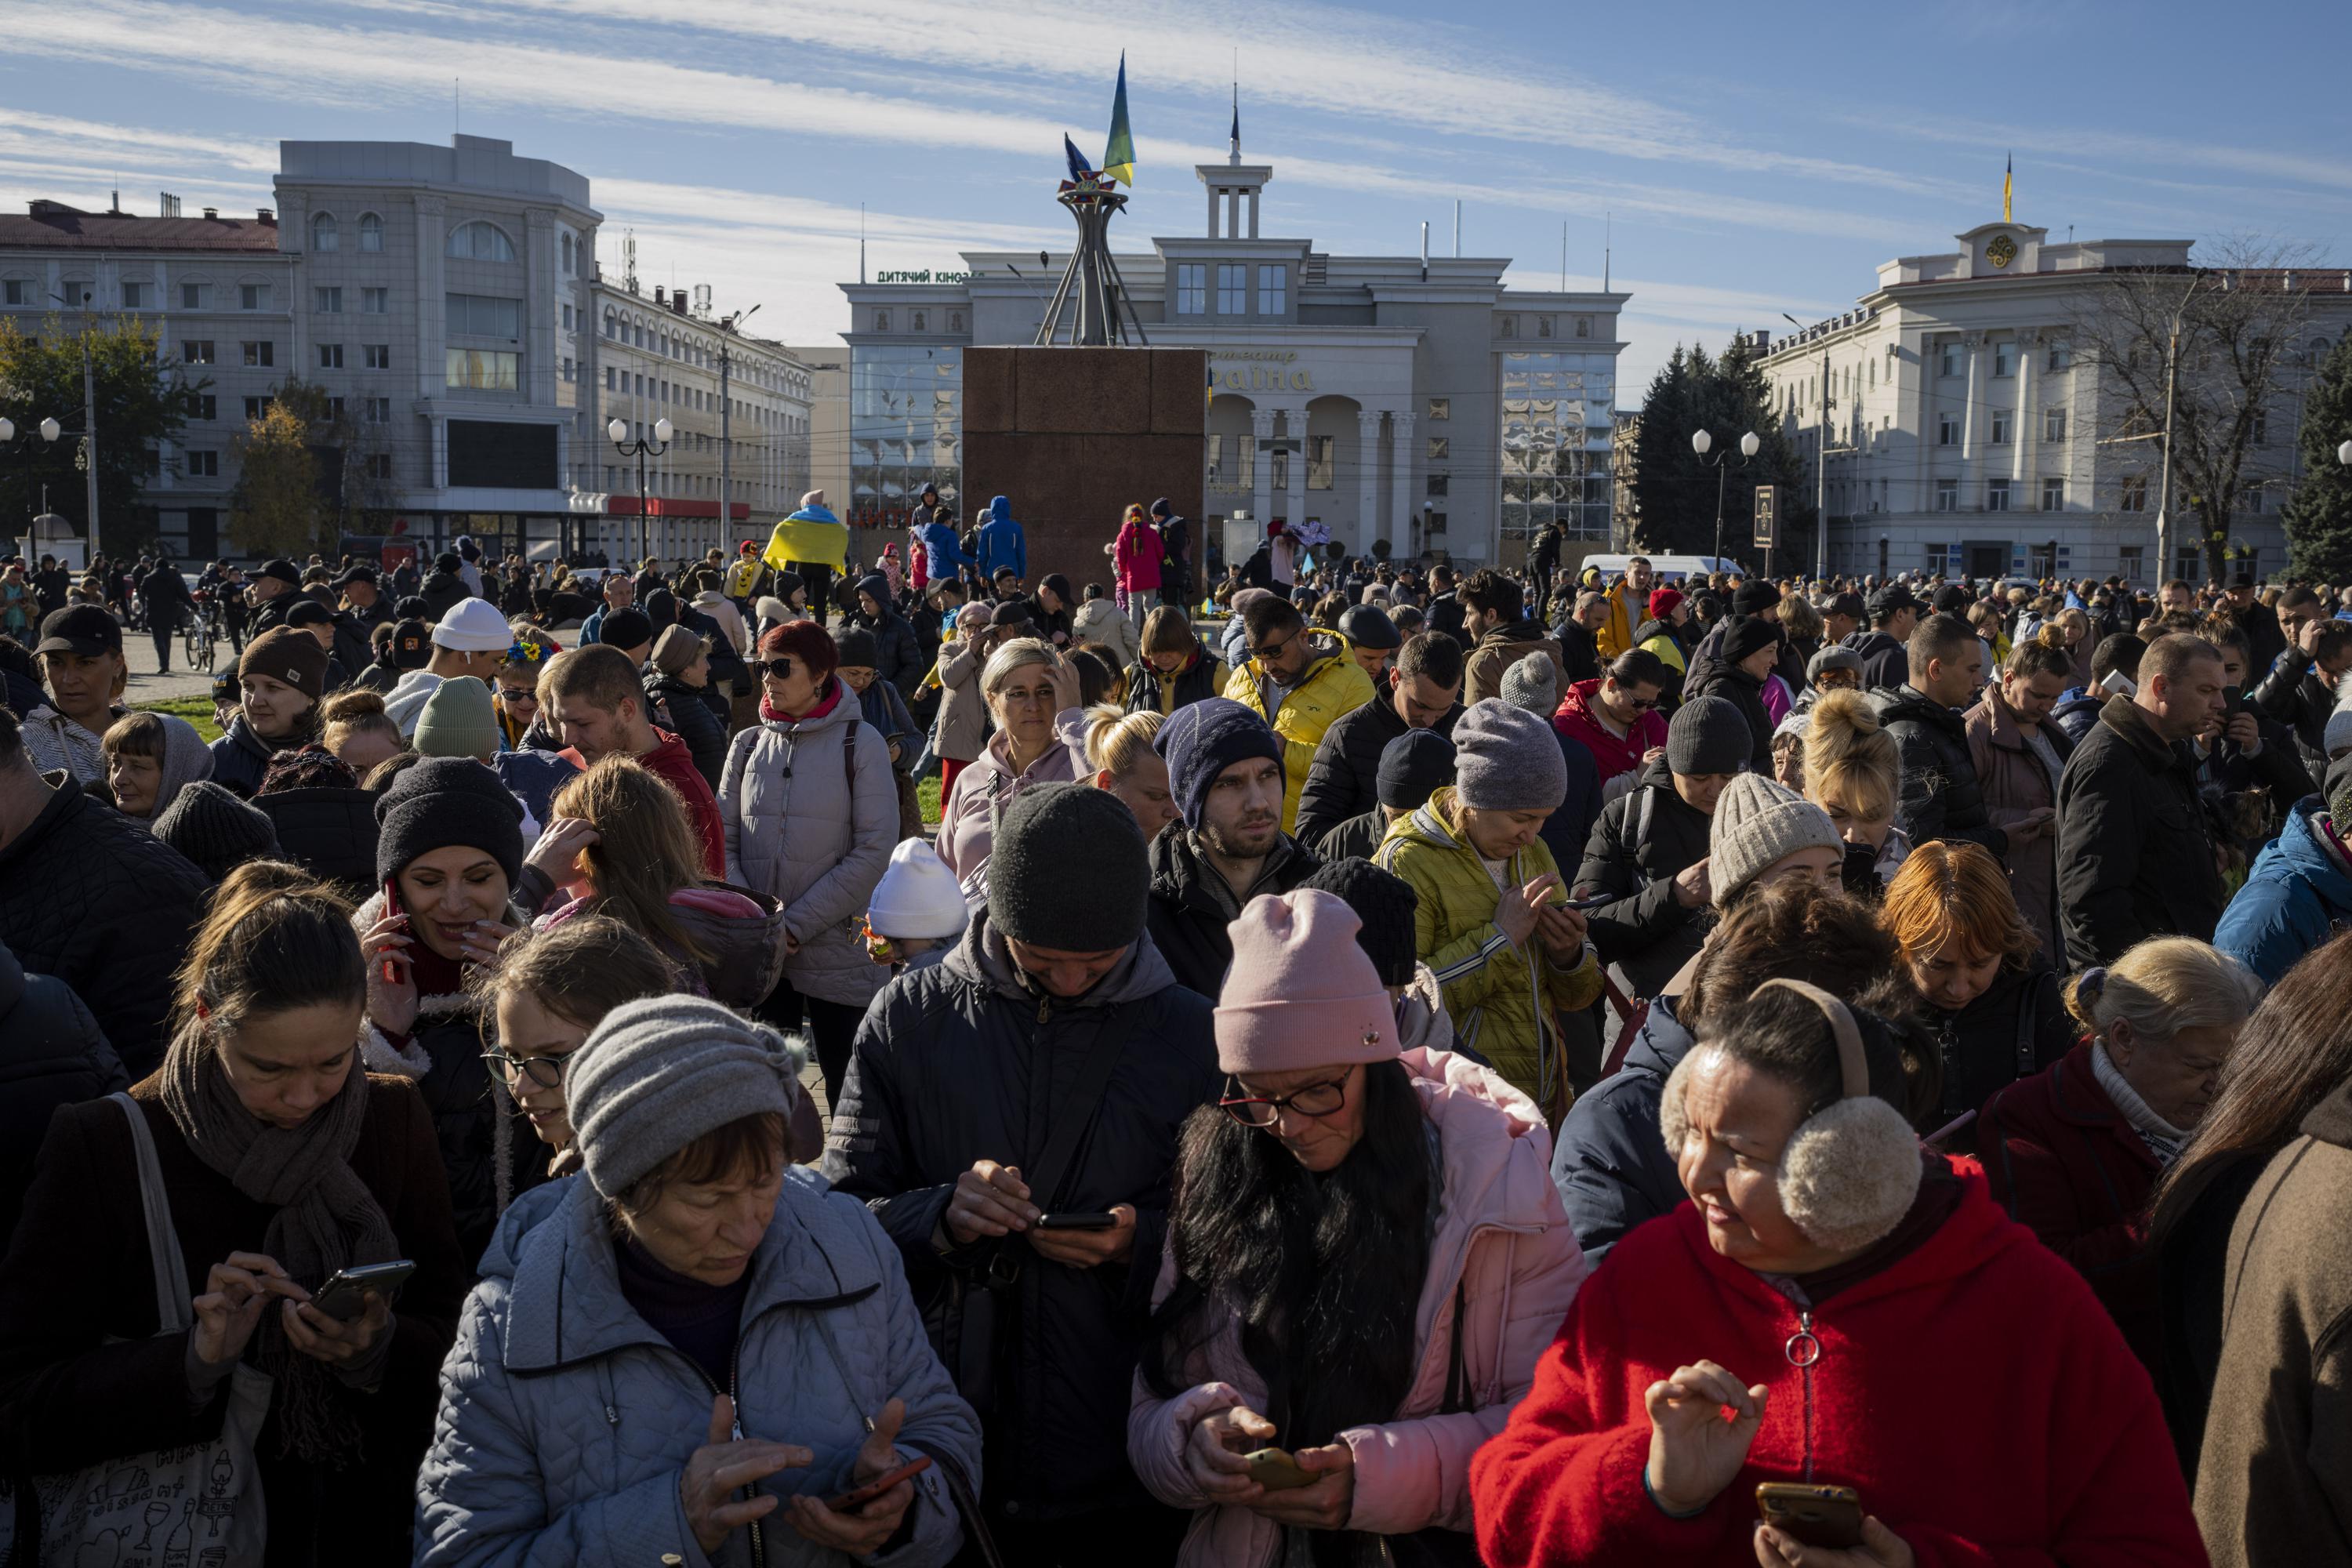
(285, 1161)
(1365, 1260)
(743, 1334)
(1821, 1250)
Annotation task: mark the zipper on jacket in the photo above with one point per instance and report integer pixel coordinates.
(1803, 1349)
(735, 1419)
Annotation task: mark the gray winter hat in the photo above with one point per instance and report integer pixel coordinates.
(1068, 870)
(1533, 684)
(1506, 759)
(214, 828)
(1760, 821)
(660, 1073)
(1707, 735)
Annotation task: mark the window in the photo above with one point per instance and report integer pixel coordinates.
(327, 302)
(253, 297)
(1996, 495)
(330, 356)
(334, 410)
(482, 370)
(2133, 495)
(608, 379)
(1949, 360)
(1441, 408)
(2261, 435)
(135, 296)
(1437, 522)
(567, 256)
(608, 321)
(1279, 466)
(567, 317)
(1320, 462)
(264, 353)
(374, 302)
(479, 241)
(377, 411)
(324, 235)
(2054, 424)
(379, 465)
(1273, 290)
(881, 325)
(1947, 430)
(254, 407)
(567, 368)
(2001, 418)
(1437, 484)
(197, 351)
(203, 406)
(2130, 562)
(203, 465)
(1947, 495)
(1506, 326)
(1232, 289)
(371, 232)
(77, 292)
(2053, 495)
(2254, 499)
(375, 356)
(2004, 357)
(15, 292)
(485, 316)
(1583, 326)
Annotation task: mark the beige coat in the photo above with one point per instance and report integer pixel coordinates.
(2014, 785)
(962, 732)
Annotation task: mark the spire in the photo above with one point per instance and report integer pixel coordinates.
(1234, 155)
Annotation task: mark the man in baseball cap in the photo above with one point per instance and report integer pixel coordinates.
(272, 591)
(83, 673)
(1886, 657)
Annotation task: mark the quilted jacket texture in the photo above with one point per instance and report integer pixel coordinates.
(566, 1419)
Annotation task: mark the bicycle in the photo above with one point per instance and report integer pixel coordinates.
(199, 634)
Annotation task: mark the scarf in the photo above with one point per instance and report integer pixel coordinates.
(2163, 1139)
(325, 1218)
(832, 698)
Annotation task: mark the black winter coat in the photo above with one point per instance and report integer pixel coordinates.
(1745, 692)
(689, 713)
(1569, 829)
(1195, 681)
(1610, 1162)
(1343, 781)
(1644, 839)
(1186, 917)
(52, 1053)
(90, 897)
(443, 592)
(2294, 694)
(2017, 1028)
(1358, 838)
(2134, 853)
(1885, 663)
(962, 1062)
(1580, 656)
(331, 832)
(2264, 638)
(1939, 796)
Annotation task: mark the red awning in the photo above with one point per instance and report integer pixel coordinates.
(673, 506)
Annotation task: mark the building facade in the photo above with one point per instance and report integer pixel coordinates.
(1389, 398)
(1969, 430)
(828, 368)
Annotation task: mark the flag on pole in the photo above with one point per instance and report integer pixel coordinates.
(2006, 174)
(1078, 170)
(1119, 155)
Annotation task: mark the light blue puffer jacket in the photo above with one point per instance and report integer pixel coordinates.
(566, 1420)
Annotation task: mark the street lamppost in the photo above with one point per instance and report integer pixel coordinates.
(48, 430)
(619, 431)
(1700, 443)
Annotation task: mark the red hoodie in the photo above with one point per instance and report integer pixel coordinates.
(1610, 755)
(671, 760)
(1974, 1392)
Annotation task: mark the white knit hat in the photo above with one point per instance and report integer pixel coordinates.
(474, 626)
(2338, 732)
(1758, 822)
(917, 896)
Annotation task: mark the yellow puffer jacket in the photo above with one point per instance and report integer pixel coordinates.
(1491, 988)
(1334, 684)
(1615, 634)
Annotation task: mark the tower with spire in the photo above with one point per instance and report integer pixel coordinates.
(1234, 182)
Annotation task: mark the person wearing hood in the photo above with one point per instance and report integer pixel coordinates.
(917, 912)
(1941, 797)
(1885, 656)
(597, 698)
(689, 1258)
(281, 681)
(1002, 542)
(2299, 892)
(149, 759)
(1299, 681)
(1612, 1168)
(810, 812)
(1750, 646)
(83, 673)
(1138, 558)
(813, 544)
(1502, 633)
(1224, 776)
(442, 591)
(722, 614)
(1329, 1153)
(471, 639)
(1422, 692)
(943, 555)
(1493, 922)
(1771, 1329)
(1044, 1068)
(1098, 620)
(1172, 666)
(1648, 851)
(897, 651)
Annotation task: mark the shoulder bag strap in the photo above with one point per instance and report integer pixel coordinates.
(173, 1312)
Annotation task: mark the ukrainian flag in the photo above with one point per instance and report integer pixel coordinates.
(1119, 155)
(2007, 173)
(802, 538)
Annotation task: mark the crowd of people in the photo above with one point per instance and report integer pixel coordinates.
(1355, 1063)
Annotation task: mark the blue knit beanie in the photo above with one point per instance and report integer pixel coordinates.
(1204, 739)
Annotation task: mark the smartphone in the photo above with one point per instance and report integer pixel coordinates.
(344, 1298)
(2233, 700)
(1593, 902)
(1078, 1222)
(391, 908)
(860, 1497)
(1277, 1471)
(1827, 1517)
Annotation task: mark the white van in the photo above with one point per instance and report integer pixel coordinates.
(1667, 568)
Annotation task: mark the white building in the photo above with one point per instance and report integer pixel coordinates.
(1964, 437)
(1388, 397)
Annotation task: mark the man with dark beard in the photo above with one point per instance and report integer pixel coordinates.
(1225, 777)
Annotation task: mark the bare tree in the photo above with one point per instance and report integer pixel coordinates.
(2210, 347)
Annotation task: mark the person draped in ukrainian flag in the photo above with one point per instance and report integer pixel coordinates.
(815, 545)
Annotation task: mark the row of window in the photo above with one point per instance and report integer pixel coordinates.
(635, 334)
(1232, 289)
(261, 352)
(2001, 423)
(919, 320)
(1545, 326)
(480, 240)
(1950, 356)
(138, 294)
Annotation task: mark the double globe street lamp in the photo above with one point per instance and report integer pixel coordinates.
(619, 431)
(1701, 442)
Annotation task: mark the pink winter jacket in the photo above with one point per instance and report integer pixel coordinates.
(1137, 557)
(1501, 1231)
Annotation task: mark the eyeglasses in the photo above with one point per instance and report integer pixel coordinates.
(773, 669)
(545, 1071)
(1260, 1110)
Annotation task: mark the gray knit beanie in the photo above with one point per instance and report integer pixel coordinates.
(1533, 684)
(1068, 870)
(660, 1073)
(1758, 821)
(1506, 759)
(1708, 735)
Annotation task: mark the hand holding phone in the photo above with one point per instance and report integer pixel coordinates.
(858, 1497)
(1097, 1221)
(1826, 1516)
(344, 1297)
(1277, 1471)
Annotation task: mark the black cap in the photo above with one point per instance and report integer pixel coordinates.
(412, 607)
(285, 571)
(1368, 625)
(626, 628)
(1849, 604)
(412, 645)
(358, 574)
(1951, 599)
(2243, 577)
(1754, 597)
(1891, 599)
(1011, 613)
(85, 629)
(310, 613)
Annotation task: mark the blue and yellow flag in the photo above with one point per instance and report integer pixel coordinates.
(1119, 155)
(801, 539)
(2006, 175)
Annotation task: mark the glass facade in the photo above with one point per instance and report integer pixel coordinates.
(906, 430)
(1556, 443)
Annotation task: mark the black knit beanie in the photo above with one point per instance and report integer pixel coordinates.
(1746, 635)
(214, 828)
(443, 801)
(1413, 766)
(1385, 902)
(1068, 870)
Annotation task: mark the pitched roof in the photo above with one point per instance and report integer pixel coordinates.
(53, 225)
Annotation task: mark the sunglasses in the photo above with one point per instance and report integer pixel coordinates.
(519, 696)
(1271, 649)
(779, 669)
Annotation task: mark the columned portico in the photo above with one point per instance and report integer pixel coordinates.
(1368, 473)
(1401, 455)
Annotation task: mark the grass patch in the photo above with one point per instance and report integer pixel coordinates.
(927, 794)
(196, 711)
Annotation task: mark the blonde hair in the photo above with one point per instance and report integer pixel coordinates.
(1115, 741)
(1956, 892)
(356, 712)
(2162, 986)
(1018, 654)
(1849, 759)
(1801, 617)
(1165, 630)
(644, 850)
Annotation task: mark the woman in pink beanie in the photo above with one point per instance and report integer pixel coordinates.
(1366, 1257)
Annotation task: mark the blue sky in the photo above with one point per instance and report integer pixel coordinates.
(1753, 161)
